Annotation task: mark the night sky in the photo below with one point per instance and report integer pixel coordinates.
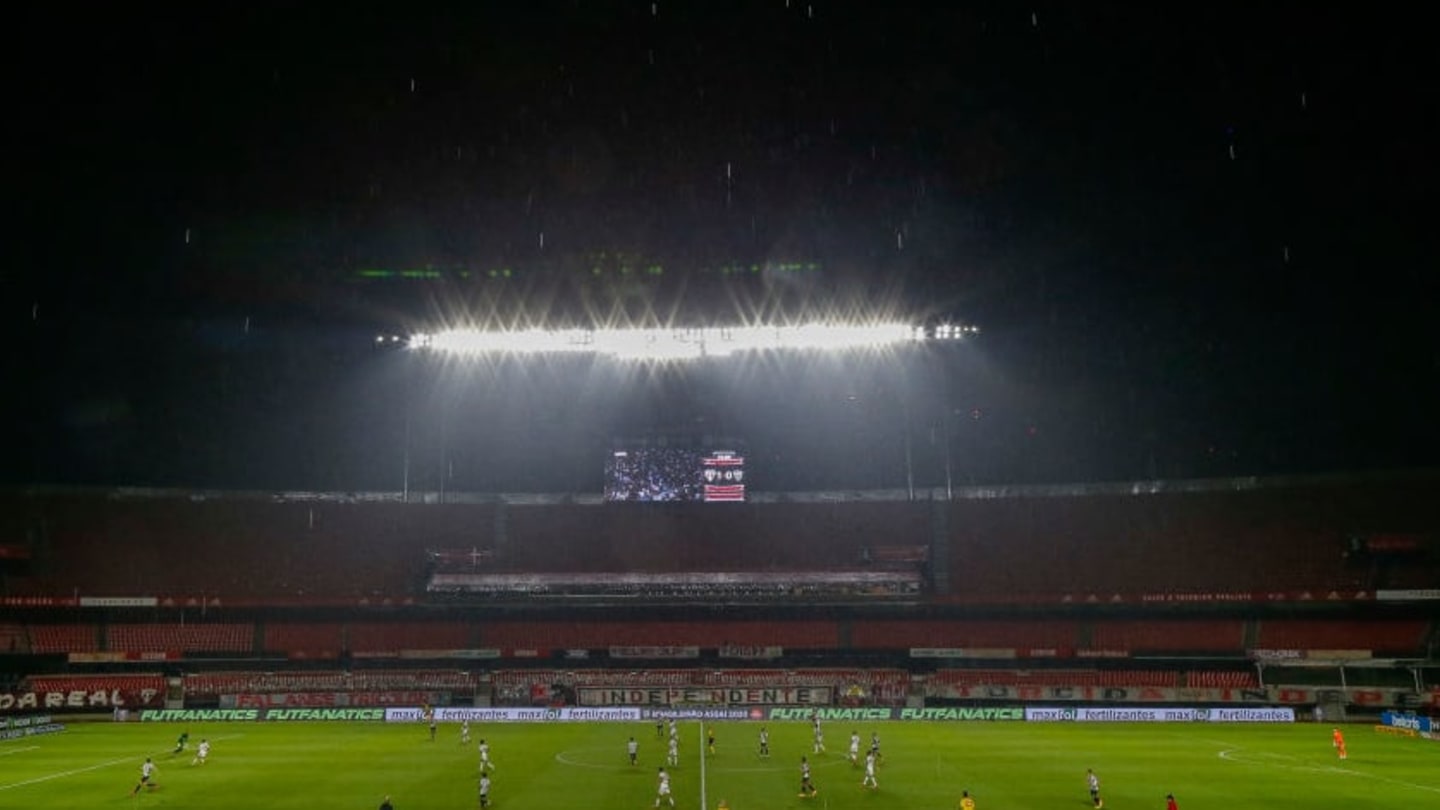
(1195, 237)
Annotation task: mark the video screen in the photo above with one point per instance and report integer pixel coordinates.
(673, 474)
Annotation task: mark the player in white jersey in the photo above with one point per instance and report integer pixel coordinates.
(869, 780)
(819, 735)
(662, 791)
(465, 732)
(807, 787)
(201, 753)
(632, 749)
(485, 763)
(764, 742)
(147, 777)
(1092, 782)
(672, 756)
(855, 748)
(674, 729)
(484, 791)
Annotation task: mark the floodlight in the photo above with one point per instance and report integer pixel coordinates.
(686, 343)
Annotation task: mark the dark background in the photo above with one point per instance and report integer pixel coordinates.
(1195, 236)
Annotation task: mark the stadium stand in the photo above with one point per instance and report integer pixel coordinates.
(581, 634)
(64, 638)
(1400, 638)
(13, 638)
(1196, 584)
(899, 634)
(95, 683)
(433, 635)
(1236, 679)
(1173, 635)
(304, 639)
(197, 638)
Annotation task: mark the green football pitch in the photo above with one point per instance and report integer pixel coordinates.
(1005, 766)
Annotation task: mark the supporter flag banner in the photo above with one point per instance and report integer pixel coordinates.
(701, 696)
(271, 700)
(654, 652)
(76, 699)
(751, 653)
(1285, 695)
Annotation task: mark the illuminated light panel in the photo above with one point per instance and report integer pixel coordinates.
(671, 344)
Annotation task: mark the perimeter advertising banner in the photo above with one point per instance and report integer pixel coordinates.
(1288, 695)
(926, 714)
(265, 715)
(1424, 725)
(516, 714)
(30, 731)
(1156, 714)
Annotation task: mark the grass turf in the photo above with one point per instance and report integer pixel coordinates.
(1014, 766)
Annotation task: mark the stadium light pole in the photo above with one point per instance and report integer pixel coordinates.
(909, 455)
(945, 439)
(405, 458)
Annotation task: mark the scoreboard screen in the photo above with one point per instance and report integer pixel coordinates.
(670, 474)
(724, 474)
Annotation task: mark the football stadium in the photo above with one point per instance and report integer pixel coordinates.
(1206, 638)
(746, 405)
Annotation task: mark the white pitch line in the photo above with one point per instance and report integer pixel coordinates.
(20, 750)
(701, 745)
(37, 780)
(1227, 755)
(75, 772)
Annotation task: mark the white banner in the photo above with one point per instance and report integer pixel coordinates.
(751, 653)
(962, 652)
(516, 714)
(1157, 714)
(460, 654)
(1406, 595)
(118, 601)
(1277, 655)
(654, 652)
(1283, 714)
